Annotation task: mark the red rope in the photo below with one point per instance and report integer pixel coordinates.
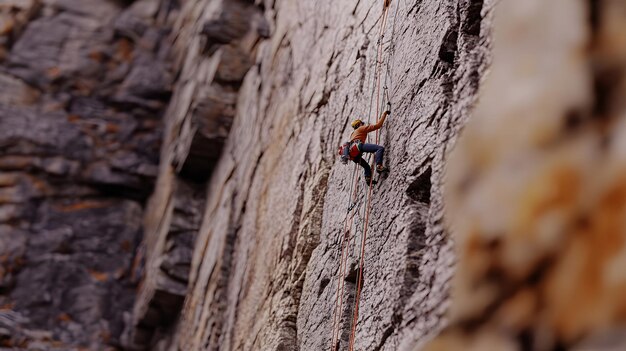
(369, 195)
(345, 238)
(349, 219)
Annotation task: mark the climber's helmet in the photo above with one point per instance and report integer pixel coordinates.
(356, 123)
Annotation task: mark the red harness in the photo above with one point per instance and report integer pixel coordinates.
(354, 150)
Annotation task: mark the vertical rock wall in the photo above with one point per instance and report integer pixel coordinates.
(242, 230)
(215, 43)
(266, 256)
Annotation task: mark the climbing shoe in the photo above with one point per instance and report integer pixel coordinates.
(369, 181)
(380, 168)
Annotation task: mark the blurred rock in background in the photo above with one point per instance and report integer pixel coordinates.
(536, 186)
(83, 87)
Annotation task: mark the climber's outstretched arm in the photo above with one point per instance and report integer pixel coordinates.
(380, 122)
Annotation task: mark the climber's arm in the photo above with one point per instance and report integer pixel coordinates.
(377, 126)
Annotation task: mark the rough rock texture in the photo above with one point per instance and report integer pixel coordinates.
(83, 84)
(266, 256)
(243, 230)
(536, 189)
(215, 43)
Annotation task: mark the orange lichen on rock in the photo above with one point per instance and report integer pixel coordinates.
(17, 162)
(124, 50)
(99, 276)
(53, 72)
(64, 317)
(112, 128)
(7, 307)
(82, 205)
(6, 25)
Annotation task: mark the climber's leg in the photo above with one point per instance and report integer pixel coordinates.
(377, 150)
(367, 171)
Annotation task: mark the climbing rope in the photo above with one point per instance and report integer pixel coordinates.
(345, 244)
(367, 209)
(348, 222)
(345, 237)
(391, 53)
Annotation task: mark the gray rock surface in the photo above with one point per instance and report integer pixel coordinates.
(242, 231)
(244, 225)
(215, 44)
(265, 266)
(81, 99)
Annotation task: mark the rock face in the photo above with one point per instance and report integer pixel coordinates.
(254, 236)
(83, 84)
(538, 206)
(264, 95)
(215, 44)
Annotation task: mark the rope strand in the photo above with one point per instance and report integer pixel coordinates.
(347, 229)
(369, 195)
(345, 238)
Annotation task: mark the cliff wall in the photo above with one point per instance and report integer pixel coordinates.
(217, 122)
(246, 102)
(290, 76)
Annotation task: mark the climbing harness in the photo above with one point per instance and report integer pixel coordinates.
(349, 220)
(350, 151)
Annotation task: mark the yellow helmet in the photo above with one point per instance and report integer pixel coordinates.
(356, 123)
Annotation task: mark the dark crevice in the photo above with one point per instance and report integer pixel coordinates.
(607, 75)
(386, 334)
(323, 100)
(526, 339)
(353, 272)
(416, 7)
(574, 119)
(433, 117)
(292, 235)
(420, 85)
(347, 313)
(448, 49)
(419, 189)
(356, 7)
(594, 15)
(323, 284)
(507, 291)
(362, 54)
(307, 224)
(222, 282)
(471, 24)
(138, 191)
(419, 194)
(233, 85)
(605, 82)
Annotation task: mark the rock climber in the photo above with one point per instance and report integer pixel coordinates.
(359, 136)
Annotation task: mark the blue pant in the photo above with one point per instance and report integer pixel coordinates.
(377, 150)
